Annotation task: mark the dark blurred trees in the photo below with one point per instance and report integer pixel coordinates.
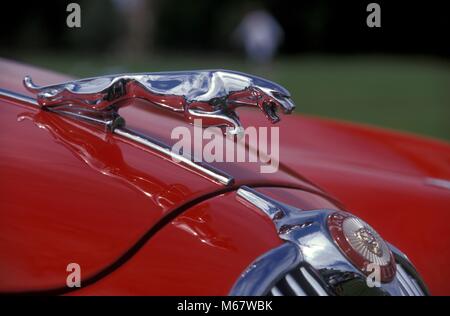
(320, 26)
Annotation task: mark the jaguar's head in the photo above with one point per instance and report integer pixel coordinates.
(268, 96)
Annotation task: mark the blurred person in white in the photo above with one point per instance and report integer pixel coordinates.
(260, 34)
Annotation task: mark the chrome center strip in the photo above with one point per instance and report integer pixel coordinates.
(440, 183)
(18, 97)
(207, 170)
(265, 205)
(204, 169)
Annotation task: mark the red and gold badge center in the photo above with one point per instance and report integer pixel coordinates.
(362, 245)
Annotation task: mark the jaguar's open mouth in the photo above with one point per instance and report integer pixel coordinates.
(271, 111)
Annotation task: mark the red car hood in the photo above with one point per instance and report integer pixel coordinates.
(71, 193)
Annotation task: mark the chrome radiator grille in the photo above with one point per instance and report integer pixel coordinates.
(298, 282)
(305, 281)
(282, 272)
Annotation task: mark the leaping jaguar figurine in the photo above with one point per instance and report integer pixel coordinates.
(210, 95)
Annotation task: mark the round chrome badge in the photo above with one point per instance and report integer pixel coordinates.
(361, 244)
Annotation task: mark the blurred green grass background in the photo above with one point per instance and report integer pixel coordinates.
(403, 93)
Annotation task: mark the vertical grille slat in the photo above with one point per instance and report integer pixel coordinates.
(276, 292)
(417, 286)
(407, 283)
(400, 286)
(296, 288)
(404, 293)
(284, 287)
(298, 282)
(313, 282)
(405, 289)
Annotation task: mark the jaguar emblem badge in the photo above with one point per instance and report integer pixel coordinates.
(366, 238)
(361, 244)
(210, 95)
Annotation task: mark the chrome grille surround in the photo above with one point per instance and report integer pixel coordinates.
(309, 262)
(283, 272)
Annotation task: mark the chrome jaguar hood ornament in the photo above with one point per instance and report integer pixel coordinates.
(210, 95)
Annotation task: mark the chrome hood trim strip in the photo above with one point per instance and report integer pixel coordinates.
(18, 97)
(204, 169)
